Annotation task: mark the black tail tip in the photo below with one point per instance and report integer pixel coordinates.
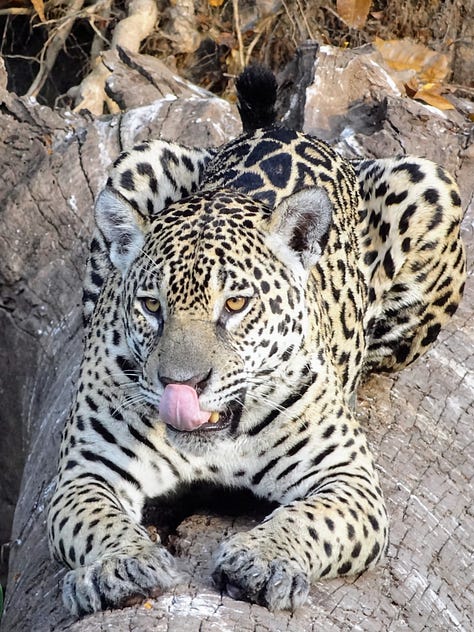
(257, 92)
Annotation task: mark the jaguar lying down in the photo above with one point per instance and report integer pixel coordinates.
(233, 302)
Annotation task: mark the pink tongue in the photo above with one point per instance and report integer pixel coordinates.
(179, 407)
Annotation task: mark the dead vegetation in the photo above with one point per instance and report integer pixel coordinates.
(53, 48)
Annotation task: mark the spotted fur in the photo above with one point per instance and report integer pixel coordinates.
(342, 269)
(155, 174)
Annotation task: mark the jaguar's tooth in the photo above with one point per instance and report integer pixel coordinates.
(214, 418)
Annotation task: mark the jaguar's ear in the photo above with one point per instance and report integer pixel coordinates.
(303, 221)
(123, 228)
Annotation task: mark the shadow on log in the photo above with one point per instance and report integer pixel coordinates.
(419, 422)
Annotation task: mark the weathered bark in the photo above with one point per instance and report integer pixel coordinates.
(419, 422)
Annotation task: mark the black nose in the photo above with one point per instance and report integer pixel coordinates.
(198, 382)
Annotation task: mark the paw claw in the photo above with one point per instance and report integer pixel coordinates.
(248, 573)
(115, 580)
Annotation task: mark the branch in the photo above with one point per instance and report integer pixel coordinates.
(129, 33)
(51, 50)
(235, 6)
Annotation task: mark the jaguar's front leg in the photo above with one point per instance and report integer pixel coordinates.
(109, 551)
(338, 529)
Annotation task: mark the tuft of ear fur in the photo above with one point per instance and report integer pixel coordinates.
(302, 221)
(256, 91)
(122, 227)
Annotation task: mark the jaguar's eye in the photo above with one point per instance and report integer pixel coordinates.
(236, 304)
(151, 305)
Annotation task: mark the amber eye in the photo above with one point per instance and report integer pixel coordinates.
(151, 305)
(236, 304)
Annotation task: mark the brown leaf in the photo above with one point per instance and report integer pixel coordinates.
(403, 55)
(430, 94)
(353, 12)
(39, 8)
(216, 3)
(421, 69)
(435, 69)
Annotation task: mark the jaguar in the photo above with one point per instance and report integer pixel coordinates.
(235, 298)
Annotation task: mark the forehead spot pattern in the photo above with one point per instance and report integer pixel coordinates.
(205, 242)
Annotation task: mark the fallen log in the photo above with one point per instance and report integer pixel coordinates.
(419, 422)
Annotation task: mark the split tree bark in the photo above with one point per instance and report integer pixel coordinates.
(419, 422)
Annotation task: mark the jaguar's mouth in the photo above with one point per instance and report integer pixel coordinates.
(229, 417)
(180, 410)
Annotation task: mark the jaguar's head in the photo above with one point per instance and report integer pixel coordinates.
(214, 301)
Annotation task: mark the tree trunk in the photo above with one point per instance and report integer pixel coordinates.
(419, 422)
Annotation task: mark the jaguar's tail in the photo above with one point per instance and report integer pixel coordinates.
(256, 93)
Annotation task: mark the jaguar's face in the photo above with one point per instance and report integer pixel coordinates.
(213, 301)
(210, 307)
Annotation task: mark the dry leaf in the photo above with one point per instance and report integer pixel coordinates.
(353, 12)
(435, 69)
(430, 94)
(403, 55)
(39, 8)
(421, 69)
(216, 3)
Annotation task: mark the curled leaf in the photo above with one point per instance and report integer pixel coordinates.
(430, 94)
